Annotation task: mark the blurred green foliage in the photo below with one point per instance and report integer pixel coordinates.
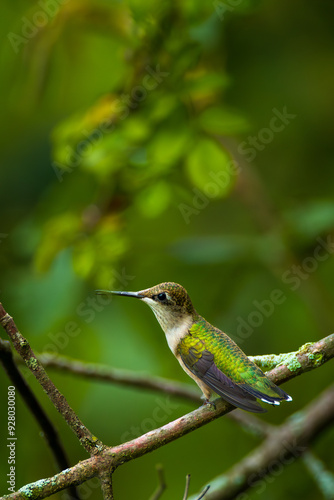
(144, 142)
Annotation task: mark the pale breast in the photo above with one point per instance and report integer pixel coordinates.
(175, 333)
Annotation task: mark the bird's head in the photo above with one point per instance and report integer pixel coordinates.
(169, 301)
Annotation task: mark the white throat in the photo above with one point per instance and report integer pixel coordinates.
(175, 330)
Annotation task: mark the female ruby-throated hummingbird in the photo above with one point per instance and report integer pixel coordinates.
(206, 353)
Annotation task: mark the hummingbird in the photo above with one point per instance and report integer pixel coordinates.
(208, 355)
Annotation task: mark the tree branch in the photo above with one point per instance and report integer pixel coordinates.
(308, 357)
(88, 441)
(106, 485)
(109, 458)
(122, 377)
(314, 420)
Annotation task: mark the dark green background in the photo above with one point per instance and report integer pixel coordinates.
(118, 210)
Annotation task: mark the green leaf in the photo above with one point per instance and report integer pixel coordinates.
(168, 146)
(154, 200)
(136, 129)
(311, 219)
(161, 108)
(211, 169)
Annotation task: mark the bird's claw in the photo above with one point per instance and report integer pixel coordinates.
(211, 403)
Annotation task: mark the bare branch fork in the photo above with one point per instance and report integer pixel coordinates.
(106, 459)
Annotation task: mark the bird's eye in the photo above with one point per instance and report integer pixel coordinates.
(161, 297)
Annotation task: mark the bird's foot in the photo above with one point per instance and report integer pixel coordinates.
(211, 403)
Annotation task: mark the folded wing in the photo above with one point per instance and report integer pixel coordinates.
(201, 363)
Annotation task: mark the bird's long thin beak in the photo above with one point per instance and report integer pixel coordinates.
(137, 295)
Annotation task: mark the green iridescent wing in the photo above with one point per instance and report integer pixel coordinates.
(200, 361)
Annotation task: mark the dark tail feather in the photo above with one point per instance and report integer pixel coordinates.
(243, 403)
(274, 400)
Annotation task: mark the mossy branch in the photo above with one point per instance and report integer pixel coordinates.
(309, 356)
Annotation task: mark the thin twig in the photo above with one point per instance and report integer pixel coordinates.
(322, 476)
(49, 431)
(186, 490)
(86, 438)
(204, 492)
(161, 483)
